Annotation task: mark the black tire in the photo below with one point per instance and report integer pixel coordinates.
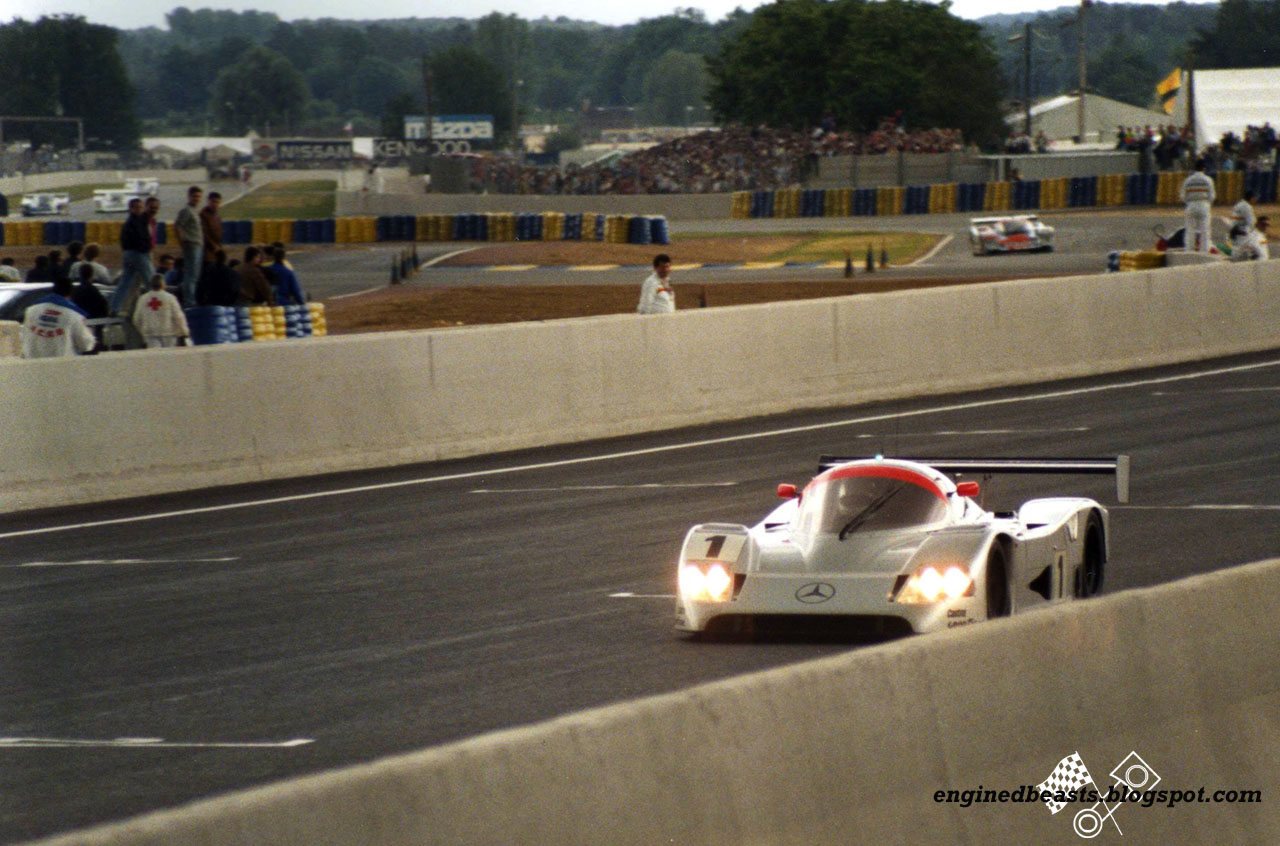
(997, 583)
(1089, 577)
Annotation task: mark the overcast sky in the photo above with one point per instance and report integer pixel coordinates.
(132, 14)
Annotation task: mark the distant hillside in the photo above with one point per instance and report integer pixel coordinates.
(1129, 47)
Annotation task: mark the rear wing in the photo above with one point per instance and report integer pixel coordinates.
(1117, 466)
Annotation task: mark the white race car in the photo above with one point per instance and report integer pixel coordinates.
(41, 204)
(112, 200)
(142, 187)
(896, 545)
(1018, 233)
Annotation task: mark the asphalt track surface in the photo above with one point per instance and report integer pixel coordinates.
(165, 649)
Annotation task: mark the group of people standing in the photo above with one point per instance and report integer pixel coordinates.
(150, 296)
(1248, 234)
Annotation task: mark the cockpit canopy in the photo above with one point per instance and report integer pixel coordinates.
(868, 498)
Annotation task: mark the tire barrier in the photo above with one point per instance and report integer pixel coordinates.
(1141, 188)
(1026, 195)
(1110, 190)
(915, 199)
(1127, 260)
(238, 324)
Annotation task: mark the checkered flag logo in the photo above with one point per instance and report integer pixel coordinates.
(1070, 774)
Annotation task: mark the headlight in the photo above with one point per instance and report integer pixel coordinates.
(934, 584)
(708, 582)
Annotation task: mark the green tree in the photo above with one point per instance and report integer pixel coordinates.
(1245, 34)
(259, 90)
(799, 59)
(465, 82)
(675, 88)
(66, 67)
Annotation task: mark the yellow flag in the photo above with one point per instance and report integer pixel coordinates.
(1167, 90)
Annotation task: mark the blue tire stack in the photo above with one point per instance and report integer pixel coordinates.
(659, 232)
(243, 323)
(599, 227)
(864, 201)
(212, 325)
(293, 321)
(573, 227)
(638, 231)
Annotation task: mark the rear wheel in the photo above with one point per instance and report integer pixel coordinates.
(1089, 577)
(997, 586)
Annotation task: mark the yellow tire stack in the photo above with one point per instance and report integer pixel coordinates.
(1053, 192)
(279, 322)
(552, 226)
(1141, 260)
(1229, 187)
(998, 196)
(264, 326)
(741, 206)
(889, 200)
(942, 198)
(105, 232)
(342, 230)
(786, 202)
(839, 202)
(1111, 189)
(1169, 188)
(616, 229)
(319, 324)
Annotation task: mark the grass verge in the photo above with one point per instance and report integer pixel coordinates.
(289, 200)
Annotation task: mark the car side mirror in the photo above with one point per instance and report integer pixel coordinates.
(969, 489)
(787, 491)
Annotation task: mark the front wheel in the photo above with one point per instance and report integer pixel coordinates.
(1089, 576)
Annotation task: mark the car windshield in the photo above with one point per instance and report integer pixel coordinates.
(842, 505)
(1017, 227)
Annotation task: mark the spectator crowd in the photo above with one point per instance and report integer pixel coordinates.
(150, 290)
(714, 161)
(1170, 147)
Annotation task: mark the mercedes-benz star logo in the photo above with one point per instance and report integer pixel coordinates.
(815, 592)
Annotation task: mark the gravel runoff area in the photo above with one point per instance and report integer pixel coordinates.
(410, 306)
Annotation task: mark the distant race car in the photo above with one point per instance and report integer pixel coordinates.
(112, 200)
(40, 204)
(142, 187)
(1009, 234)
(897, 545)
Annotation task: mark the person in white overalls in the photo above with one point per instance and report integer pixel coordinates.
(1198, 195)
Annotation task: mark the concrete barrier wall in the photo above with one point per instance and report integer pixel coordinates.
(272, 410)
(847, 749)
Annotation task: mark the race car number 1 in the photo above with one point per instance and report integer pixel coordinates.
(715, 546)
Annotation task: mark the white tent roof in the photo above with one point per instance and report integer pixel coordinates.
(1059, 118)
(1230, 101)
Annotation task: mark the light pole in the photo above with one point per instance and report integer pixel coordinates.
(1025, 38)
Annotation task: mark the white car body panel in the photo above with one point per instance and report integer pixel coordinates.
(45, 203)
(112, 200)
(781, 568)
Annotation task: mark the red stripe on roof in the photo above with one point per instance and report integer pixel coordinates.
(883, 471)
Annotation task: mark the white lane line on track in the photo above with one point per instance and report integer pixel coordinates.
(626, 594)
(949, 433)
(947, 240)
(1259, 390)
(447, 256)
(1202, 507)
(592, 459)
(115, 562)
(658, 485)
(141, 743)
